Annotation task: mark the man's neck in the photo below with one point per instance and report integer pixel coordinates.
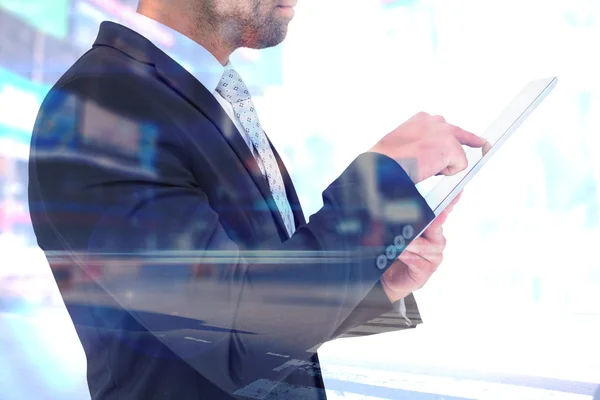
(175, 19)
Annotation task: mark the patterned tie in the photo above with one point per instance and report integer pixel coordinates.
(233, 89)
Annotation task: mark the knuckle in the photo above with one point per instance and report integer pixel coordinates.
(443, 242)
(438, 119)
(452, 130)
(422, 115)
(449, 138)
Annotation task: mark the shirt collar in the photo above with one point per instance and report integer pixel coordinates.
(206, 68)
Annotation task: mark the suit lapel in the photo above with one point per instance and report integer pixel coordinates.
(186, 85)
(194, 92)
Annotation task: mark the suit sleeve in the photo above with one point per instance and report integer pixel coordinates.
(90, 208)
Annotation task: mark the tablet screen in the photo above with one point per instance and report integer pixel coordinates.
(440, 191)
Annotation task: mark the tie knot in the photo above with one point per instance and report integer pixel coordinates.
(232, 87)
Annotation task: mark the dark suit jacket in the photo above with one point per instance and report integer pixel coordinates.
(182, 280)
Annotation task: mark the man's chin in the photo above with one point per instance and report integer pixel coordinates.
(271, 41)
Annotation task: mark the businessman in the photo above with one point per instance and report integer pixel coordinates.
(158, 189)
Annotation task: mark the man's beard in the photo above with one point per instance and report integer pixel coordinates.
(273, 31)
(260, 35)
(259, 30)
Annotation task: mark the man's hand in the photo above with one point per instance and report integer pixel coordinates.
(426, 146)
(418, 261)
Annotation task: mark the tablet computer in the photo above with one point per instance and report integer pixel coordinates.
(441, 194)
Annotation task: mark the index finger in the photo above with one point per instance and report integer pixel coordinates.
(467, 138)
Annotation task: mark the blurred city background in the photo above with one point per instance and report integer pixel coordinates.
(514, 310)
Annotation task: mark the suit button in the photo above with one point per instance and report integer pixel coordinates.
(391, 252)
(399, 242)
(381, 261)
(408, 231)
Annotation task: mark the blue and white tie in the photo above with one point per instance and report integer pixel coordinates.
(233, 89)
